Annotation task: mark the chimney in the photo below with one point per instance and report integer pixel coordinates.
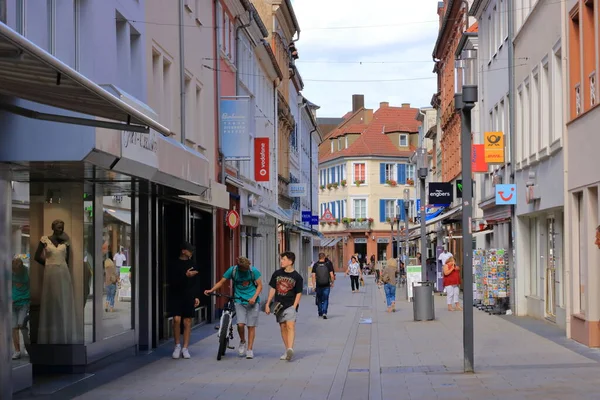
(358, 102)
(384, 104)
(405, 105)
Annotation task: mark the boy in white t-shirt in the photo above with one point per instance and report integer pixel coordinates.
(119, 258)
(444, 256)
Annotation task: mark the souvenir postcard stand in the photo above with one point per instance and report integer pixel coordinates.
(492, 278)
(478, 264)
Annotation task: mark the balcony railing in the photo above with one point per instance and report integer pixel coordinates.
(365, 225)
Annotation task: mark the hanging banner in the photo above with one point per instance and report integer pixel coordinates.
(261, 160)
(494, 147)
(236, 124)
(478, 163)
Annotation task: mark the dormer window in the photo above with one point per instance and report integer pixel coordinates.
(332, 148)
(403, 140)
(340, 143)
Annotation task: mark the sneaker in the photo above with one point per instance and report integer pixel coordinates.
(324, 316)
(289, 354)
(242, 349)
(284, 356)
(177, 352)
(249, 354)
(186, 353)
(16, 355)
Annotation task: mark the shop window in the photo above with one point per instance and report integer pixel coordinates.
(116, 262)
(533, 258)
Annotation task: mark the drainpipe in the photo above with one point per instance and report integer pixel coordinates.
(217, 68)
(311, 171)
(237, 47)
(182, 71)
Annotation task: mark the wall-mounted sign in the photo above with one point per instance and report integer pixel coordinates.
(314, 220)
(261, 160)
(506, 194)
(297, 189)
(532, 193)
(478, 163)
(494, 147)
(383, 240)
(306, 216)
(236, 124)
(459, 188)
(360, 240)
(440, 193)
(232, 219)
(327, 216)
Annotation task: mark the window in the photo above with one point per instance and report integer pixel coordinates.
(503, 22)
(390, 172)
(410, 172)
(343, 171)
(557, 96)
(340, 143)
(294, 139)
(533, 258)
(495, 30)
(198, 134)
(52, 26)
(545, 115)
(403, 140)
(574, 58)
(535, 115)
(332, 148)
(526, 121)
(359, 207)
(519, 124)
(490, 37)
(77, 26)
(360, 173)
(21, 17)
(390, 209)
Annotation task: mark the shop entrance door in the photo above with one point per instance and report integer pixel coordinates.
(201, 237)
(382, 251)
(361, 250)
(551, 286)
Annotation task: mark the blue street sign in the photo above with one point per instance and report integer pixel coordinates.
(506, 194)
(314, 220)
(306, 216)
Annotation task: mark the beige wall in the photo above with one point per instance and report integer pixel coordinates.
(162, 46)
(372, 190)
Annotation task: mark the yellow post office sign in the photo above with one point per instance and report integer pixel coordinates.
(494, 147)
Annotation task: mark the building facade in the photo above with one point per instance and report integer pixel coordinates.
(580, 46)
(362, 186)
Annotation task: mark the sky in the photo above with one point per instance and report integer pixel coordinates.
(395, 41)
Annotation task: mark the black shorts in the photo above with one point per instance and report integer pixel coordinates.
(182, 306)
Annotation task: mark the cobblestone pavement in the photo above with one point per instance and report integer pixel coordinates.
(393, 357)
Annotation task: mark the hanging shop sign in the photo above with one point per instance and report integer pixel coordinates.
(459, 188)
(314, 220)
(261, 160)
(327, 216)
(506, 194)
(306, 216)
(440, 193)
(297, 189)
(232, 219)
(236, 126)
(494, 147)
(478, 163)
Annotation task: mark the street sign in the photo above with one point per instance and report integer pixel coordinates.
(232, 219)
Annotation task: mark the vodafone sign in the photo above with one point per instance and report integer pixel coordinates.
(261, 159)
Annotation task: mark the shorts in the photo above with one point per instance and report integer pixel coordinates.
(182, 306)
(19, 313)
(289, 314)
(247, 314)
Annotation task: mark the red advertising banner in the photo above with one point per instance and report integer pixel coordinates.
(261, 159)
(478, 163)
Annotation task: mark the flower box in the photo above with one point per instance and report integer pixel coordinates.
(391, 182)
(410, 182)
(359, 182)
(343, 183)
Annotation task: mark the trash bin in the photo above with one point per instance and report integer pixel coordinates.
(423, 301)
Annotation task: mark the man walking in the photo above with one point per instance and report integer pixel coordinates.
(323, 278)
(286, 289)
(184, 296)
(247, 286)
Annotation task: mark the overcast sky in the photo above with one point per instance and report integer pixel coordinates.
(401, 33)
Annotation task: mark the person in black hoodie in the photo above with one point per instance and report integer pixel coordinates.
(185, 297)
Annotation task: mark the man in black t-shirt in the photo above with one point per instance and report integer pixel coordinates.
(286, 288)
(322, 277)
(184, 296)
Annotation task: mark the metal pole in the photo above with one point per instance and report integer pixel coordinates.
(5, 286)
(406, 233)
(423, 230)
(467, 212)
(511, 168)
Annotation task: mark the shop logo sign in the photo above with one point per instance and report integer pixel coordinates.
(140, 147)
(261, 159)
(506, 194)
(494, 147)
(440, 193)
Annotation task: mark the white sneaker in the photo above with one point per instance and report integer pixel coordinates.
(289, 354)
(284, 356)
(242, 349)
(186, 353)
(249, 354)
(16, 355)
(177, 352)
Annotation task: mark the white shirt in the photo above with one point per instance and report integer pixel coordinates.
(354, 269)
(119, 259)
(444, 257)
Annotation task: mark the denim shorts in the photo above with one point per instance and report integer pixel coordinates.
(19, 313)
(247, 314)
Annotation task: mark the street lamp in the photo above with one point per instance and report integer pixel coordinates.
(465, 99)
(406, 200)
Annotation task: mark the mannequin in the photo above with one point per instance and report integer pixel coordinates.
(57, 307)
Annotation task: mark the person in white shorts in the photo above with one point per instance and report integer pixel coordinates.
(247, 286)
(452, 284)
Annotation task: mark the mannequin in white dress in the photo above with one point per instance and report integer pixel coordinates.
(57, 306)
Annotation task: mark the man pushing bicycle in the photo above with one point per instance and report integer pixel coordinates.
(247, 286)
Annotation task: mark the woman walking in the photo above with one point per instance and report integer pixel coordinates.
(452, 284)
(388, 277)
(111, 278)
(355, 273)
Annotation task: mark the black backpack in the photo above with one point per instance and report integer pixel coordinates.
(321, 272)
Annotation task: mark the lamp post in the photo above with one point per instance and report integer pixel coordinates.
(465, 99)
(422, 171)
(406, 200)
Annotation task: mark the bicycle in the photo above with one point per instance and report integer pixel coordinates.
(225, 333)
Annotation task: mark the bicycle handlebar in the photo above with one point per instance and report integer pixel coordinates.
(226, 296)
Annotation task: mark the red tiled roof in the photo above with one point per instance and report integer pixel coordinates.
(372, 140)
(354, 128)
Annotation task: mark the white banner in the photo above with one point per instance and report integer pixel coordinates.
(297, 189)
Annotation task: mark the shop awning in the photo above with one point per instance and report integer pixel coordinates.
(279, 217)
(475, 234)
(121, 215)
(333, 242)
(437, 219)
(31, 73)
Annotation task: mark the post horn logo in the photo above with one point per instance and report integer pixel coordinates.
(494, 139)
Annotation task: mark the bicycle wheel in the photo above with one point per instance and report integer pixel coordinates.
(223, 335)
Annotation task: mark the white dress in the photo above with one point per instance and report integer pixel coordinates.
(57, 323)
